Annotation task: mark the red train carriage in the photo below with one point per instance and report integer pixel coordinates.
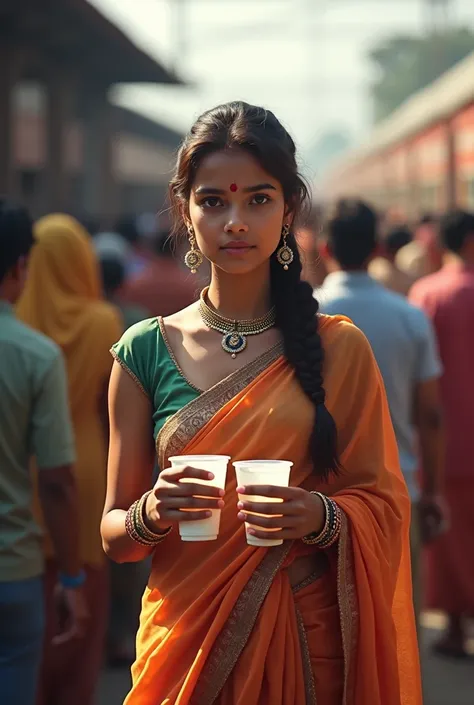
(422, 157)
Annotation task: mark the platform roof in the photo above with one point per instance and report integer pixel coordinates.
(75, 32)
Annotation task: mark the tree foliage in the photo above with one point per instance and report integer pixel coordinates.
(406, 64)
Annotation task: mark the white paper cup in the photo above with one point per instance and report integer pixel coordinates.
(262, 472)
(203, 529)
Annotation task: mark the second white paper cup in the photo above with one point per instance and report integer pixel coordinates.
(262, 472)
(203, 529)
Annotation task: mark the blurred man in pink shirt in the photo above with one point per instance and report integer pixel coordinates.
(447, 296)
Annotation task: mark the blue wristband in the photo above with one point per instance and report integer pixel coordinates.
(69, 582)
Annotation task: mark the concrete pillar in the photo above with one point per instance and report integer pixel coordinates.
(9, 75)
(451, 181)
(100, 187)
(413, 185)
(60, 88)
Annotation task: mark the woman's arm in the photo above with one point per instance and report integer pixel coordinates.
(130, 469)
(130, 464)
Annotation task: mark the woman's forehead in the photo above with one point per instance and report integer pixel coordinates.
(234, 168)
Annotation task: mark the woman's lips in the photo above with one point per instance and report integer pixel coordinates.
(237, 248)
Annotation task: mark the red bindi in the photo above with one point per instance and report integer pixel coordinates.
(233, 187)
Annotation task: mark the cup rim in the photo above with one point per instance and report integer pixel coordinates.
(262, 462)
(206, 458)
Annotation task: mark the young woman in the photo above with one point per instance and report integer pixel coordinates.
(62, 299)
(252, 371)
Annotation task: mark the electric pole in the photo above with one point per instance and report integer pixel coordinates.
(438, 14)
(179, 9)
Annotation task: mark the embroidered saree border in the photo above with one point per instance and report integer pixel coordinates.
(181, 428)
(348, 607)
(233, 638)
(235, 634)
(309, 685)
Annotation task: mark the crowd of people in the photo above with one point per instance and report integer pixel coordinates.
(310, 386)
(423, 344)
(410, 289)
(65, 298)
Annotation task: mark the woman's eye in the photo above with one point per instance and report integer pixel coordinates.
(211, 202)
(260, 199)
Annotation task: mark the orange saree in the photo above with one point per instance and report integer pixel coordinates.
(220, 622)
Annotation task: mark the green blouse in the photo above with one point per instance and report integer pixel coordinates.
(144, 352)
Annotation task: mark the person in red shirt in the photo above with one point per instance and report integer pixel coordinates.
(164, 286)
(447, 296)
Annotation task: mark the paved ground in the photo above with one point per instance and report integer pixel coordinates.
(446, 682)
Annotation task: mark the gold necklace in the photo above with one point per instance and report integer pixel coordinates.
(234, 332)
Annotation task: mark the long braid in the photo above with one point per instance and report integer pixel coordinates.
(296, 311)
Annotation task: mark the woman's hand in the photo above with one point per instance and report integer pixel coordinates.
(165, 505)
(301, 513)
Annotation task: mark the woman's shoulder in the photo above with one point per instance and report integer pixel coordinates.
(331, 327)
(141, 334)
(137, 352)
(342, 338)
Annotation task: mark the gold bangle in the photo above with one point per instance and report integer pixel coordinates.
(336, 529)
(136, 527)
(315, 538)
(143, 529)
(332, 526)
(130, 526)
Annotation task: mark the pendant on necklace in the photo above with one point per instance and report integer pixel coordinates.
(234, 343)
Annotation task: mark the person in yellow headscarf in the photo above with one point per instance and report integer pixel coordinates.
(63, 300)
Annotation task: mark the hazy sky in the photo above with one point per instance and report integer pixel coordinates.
(304, 59)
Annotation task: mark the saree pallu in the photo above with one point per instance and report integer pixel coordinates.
(220, 622)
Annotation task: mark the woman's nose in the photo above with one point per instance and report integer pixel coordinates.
(236, 224)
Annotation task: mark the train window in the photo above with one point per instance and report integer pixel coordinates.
(470, 193)
(429, 196)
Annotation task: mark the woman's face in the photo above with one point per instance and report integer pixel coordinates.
(237, 211)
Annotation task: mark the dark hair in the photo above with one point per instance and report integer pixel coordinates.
(113, 274)
(427, 219)
(352, 232)
(455, 227)
(163, 243)
(397, 238)
(16, 235)
(91, 224)
(239, 125)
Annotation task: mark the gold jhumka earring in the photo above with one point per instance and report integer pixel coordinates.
(285, 255)
(193, 257)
